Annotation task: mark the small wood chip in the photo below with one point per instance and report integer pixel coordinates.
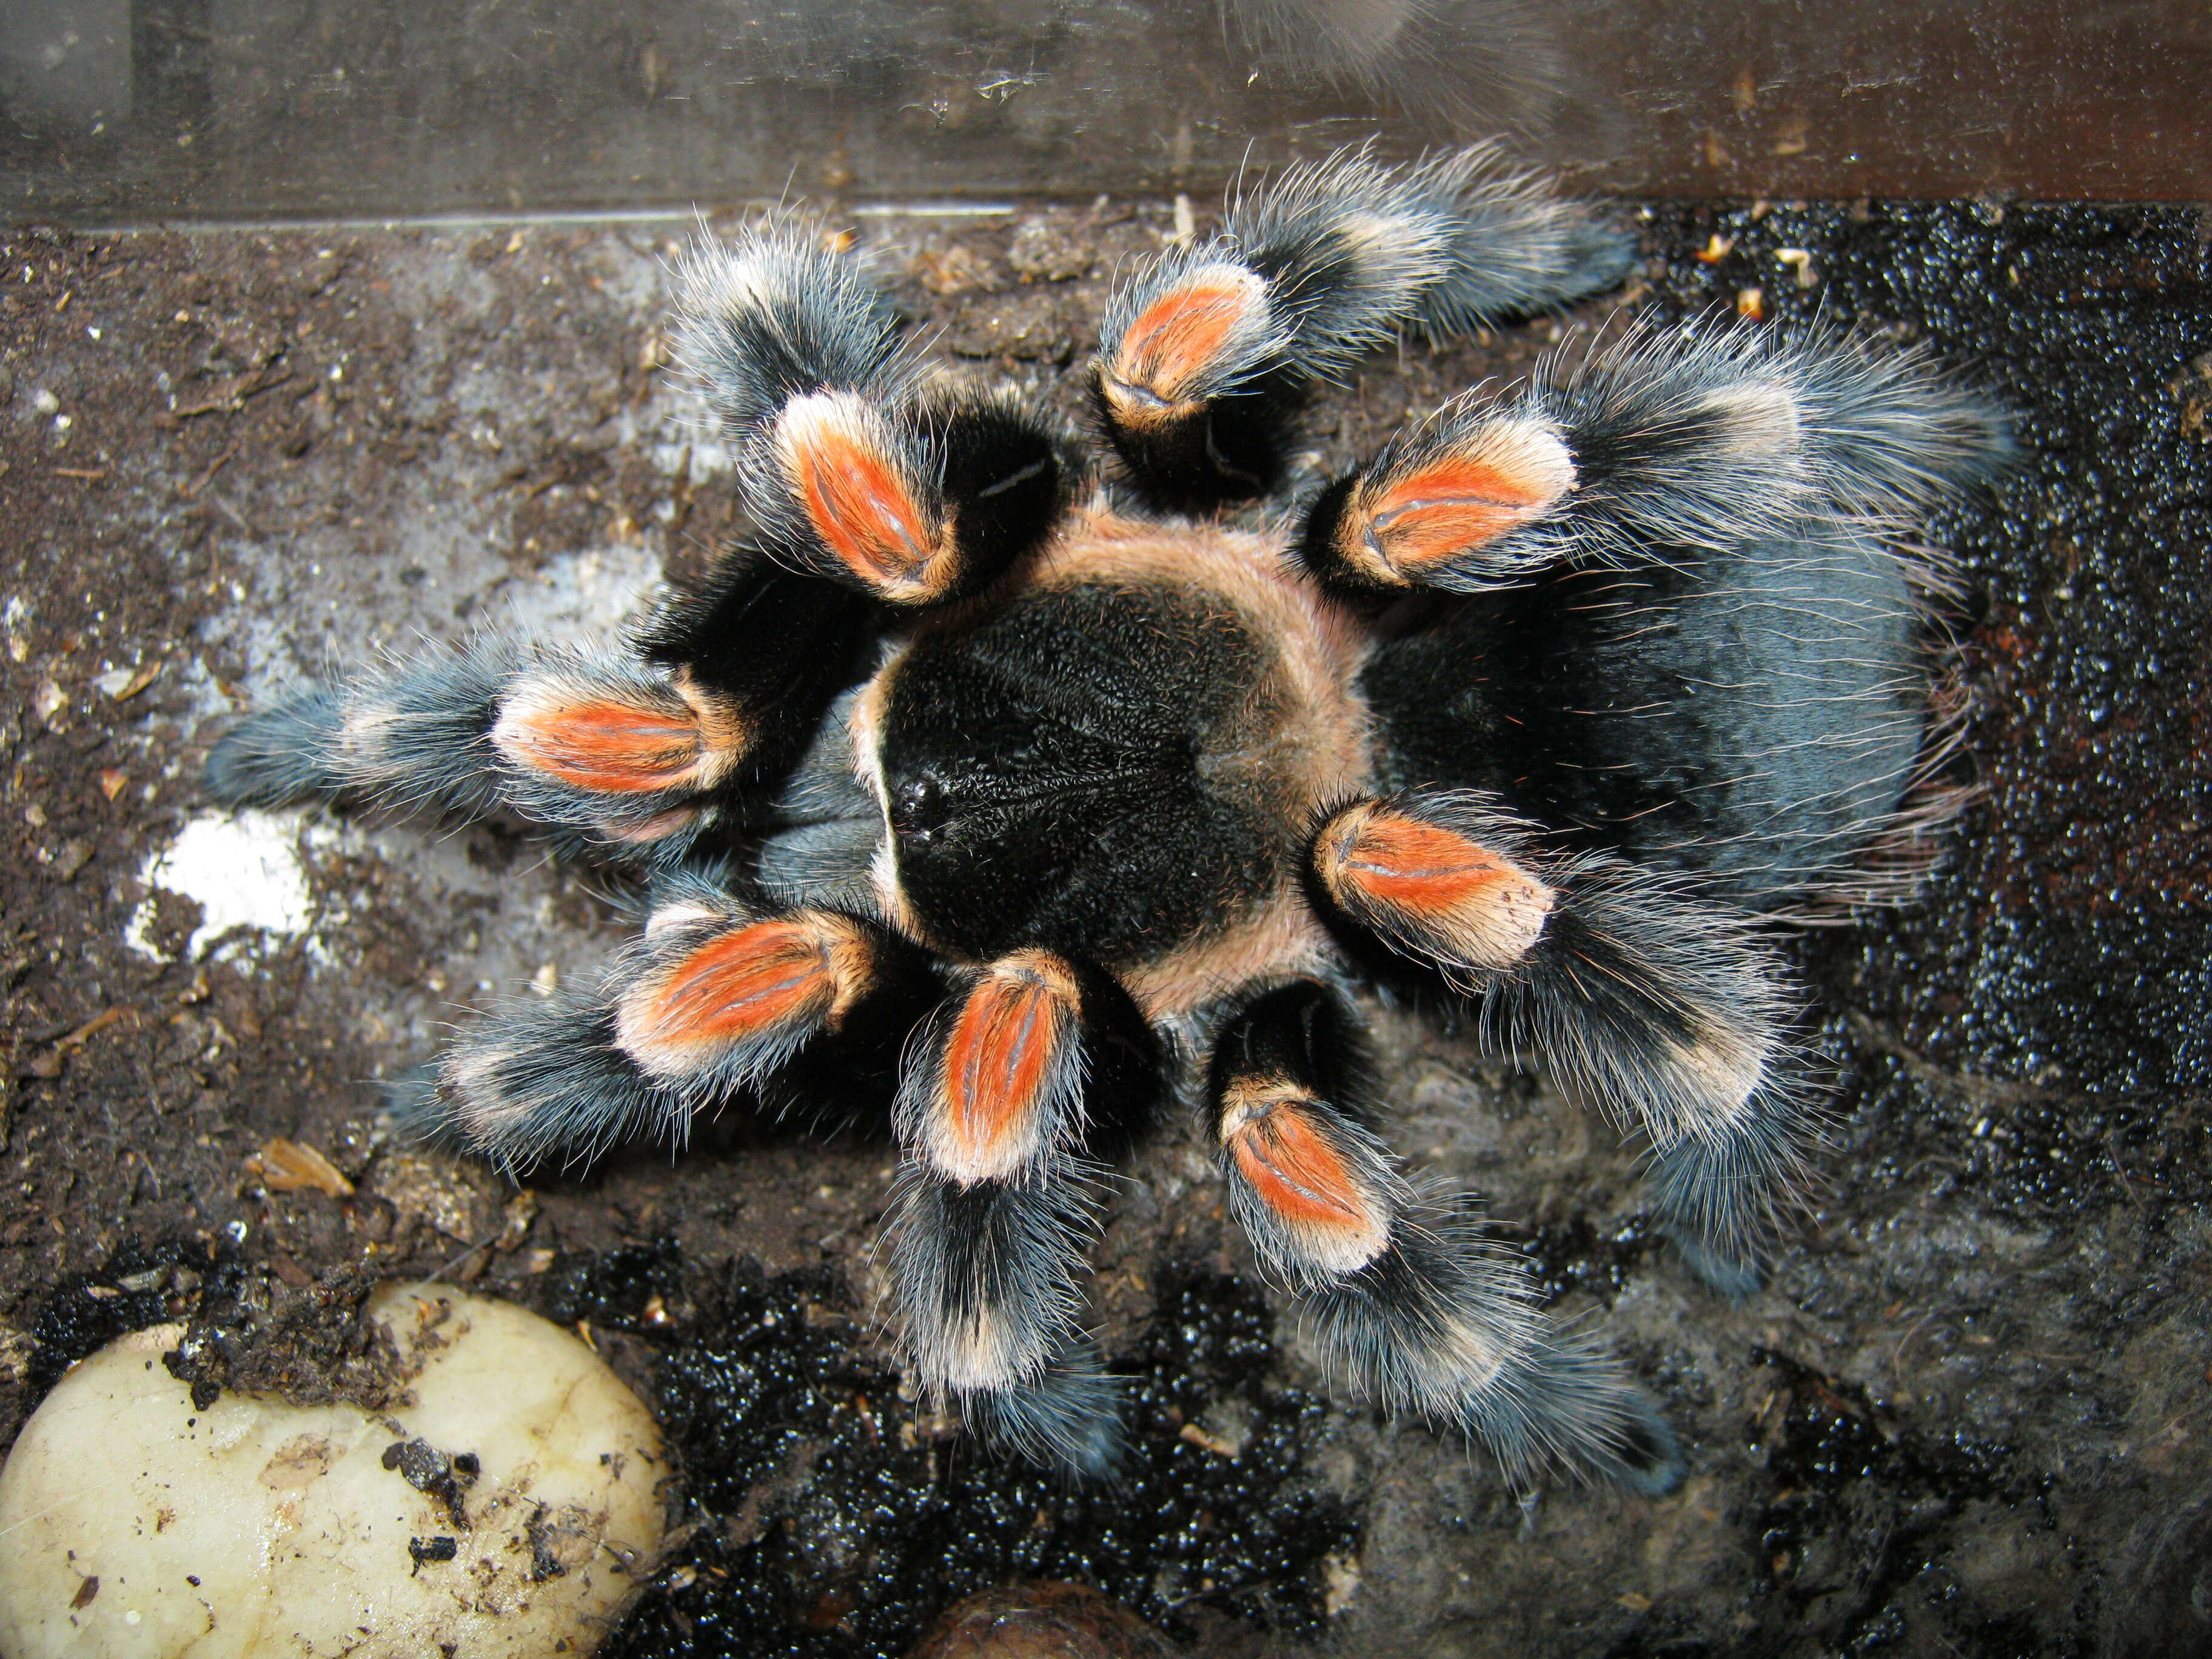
(48, 1065)
(207, 477)
(1211, 1442)
(286, 1166)
(516, 1215)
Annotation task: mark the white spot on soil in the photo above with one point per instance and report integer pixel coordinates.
(243, 870)
(582, 595)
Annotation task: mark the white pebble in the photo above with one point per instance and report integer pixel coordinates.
(252, 1529)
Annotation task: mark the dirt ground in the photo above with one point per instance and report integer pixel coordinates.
(1968, 1416)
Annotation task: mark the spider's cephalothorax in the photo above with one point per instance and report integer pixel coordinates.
(1012, 816)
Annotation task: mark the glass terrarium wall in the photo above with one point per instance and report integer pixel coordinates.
(130, 111)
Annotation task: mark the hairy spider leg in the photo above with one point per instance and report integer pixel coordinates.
(633, 756)
(1207, 356)
(997, 1200)
(1654, 446)
(856, 471)
(1648, 1000)
(1403, 1291)
(801, 1010)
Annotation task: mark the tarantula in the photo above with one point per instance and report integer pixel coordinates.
(1007, 805)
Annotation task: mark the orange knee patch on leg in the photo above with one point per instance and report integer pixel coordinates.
(1007, 1057)
(842, 465)
(1406, 524)
(600, 741)
(1420, 883)
(1179, 336)
(768, 980)
(1273, 1133)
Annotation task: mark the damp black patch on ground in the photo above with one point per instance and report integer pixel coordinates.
(2066, 948)
(837, 1516)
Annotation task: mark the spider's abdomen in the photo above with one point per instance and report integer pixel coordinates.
(1118, 761)
(1753, 716)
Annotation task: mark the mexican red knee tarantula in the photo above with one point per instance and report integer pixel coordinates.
(1011, 804)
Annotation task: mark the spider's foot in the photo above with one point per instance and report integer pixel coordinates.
(1733, 1277)
(984, 1275)
(1069, 1420)
(284, 755)
(541, 1080)
(421, 1115)
(780, 313)
(1720, 1195)
(1568, 1404)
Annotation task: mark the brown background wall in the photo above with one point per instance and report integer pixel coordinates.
(131, 110)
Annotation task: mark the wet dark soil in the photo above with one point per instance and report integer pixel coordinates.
(1969, 1414)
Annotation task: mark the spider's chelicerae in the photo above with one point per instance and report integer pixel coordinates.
(1013, 805)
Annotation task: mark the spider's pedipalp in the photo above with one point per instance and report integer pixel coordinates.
(1207, 353)
(996, 1204)
(1649, 446)
(1403, 1291)
(1648, 1000)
